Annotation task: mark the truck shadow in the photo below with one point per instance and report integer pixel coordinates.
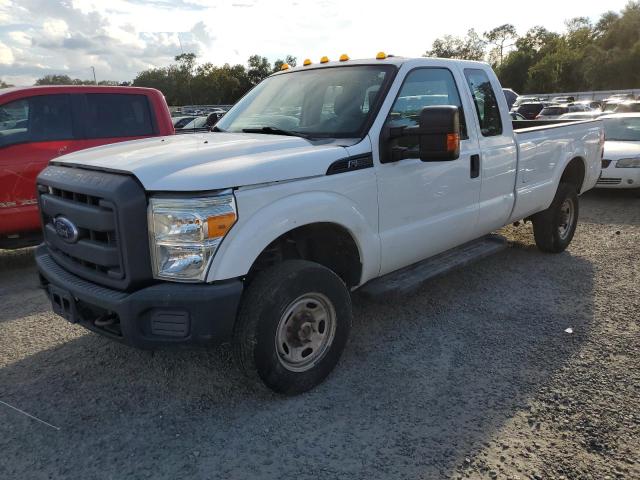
(425, 381)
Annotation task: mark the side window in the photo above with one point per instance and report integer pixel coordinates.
(118, 115)
(36, 119)
(425, 87)
(50, 118)
(14, 122)
(486, 102)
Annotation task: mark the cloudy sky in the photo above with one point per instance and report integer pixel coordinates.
(120, 38)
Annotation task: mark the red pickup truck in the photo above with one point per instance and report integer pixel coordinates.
(41, 123)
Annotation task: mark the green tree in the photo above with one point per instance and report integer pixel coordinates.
(501, 38)
(259, 69)
(471, 47)
(4, 84)
(55, 80)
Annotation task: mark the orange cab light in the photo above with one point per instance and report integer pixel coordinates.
(344, 57)
(306, 62)
(381, 56)
(324, 59)
(285, 66)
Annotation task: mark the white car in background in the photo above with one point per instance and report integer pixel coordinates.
(621, 159)
(553, 112)
(590, 115)
(197, 122)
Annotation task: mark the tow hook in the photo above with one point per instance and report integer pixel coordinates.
(105, 320)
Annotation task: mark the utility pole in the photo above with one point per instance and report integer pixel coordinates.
(94, 75)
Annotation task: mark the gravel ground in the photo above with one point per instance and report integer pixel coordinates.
(472, 376)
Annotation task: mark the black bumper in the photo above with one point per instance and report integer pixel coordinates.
(158, 315)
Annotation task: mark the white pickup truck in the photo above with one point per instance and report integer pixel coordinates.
(323, 179)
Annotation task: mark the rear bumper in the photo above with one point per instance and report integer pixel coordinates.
(159, 315)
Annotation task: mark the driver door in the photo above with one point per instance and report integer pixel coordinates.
(427, 207)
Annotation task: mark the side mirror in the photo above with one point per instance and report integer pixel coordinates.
(437, 135)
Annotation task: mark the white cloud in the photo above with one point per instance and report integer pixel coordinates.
(55, 28)
(19, 39)
(6, 55)
(121, 37)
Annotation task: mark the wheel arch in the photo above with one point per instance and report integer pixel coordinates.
(574, 172)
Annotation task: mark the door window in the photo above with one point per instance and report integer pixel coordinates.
(485, 100)
(425, 87)
(14, 120)
(118, 115)
(36, 119)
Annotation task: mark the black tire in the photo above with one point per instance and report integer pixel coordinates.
(267, 298)
(552, 230)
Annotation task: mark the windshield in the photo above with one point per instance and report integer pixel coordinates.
(325, 102)
(622, 129)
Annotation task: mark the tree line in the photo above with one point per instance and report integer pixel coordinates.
(186, 82)
(604, 55)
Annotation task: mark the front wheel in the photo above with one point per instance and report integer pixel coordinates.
(293, 324)
(554, 227)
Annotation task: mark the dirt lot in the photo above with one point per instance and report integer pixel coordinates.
(473, 376)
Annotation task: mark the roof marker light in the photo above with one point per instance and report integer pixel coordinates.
(285, 66)
(381, 56)
(344, 57)
(307, 62)
(324, 59)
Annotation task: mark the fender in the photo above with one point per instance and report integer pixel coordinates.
(251, 235)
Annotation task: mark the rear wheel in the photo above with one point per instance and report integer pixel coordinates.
(554, 227)
(293, 324)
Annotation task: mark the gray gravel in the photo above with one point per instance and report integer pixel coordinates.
(473, 376)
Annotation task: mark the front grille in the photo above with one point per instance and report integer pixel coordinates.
(609, 181)
(108, 213)
(96, 248)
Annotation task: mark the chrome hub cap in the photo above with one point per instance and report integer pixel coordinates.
(305, 332)
(567, 213)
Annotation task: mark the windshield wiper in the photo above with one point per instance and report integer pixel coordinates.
(276, 131)
(217, 129)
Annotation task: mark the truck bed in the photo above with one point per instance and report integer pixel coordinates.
(543, 146)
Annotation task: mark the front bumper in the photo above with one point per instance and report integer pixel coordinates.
(612, 177)
(159, 315)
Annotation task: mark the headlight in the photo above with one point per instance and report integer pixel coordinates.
(184, 234)
(628, 163)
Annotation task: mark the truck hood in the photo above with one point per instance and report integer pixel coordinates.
(210, 161)
(614, 150)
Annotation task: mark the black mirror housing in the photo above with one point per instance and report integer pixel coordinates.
(439, 133)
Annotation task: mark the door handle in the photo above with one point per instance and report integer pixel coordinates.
(475, 165)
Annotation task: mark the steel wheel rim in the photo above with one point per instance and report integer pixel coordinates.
(305, 332)
(567, 213)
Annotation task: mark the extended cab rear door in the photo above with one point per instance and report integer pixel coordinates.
(498, 154)
(116, 117)
(425, 207)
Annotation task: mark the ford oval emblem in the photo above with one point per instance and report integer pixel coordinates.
(66, 230)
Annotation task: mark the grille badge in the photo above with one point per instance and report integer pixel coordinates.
(66, 229)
